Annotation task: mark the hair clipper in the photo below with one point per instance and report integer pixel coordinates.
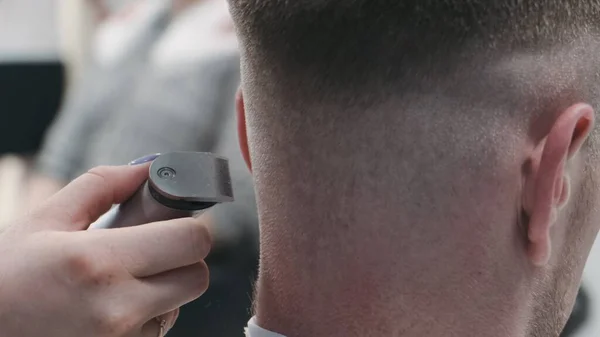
(180, 184)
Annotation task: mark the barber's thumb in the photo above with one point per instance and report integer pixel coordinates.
(92, 194)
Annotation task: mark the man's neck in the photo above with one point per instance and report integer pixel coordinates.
(366, 296)
(332, 316)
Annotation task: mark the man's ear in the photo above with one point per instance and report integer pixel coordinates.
(546, 187)
(241, 124)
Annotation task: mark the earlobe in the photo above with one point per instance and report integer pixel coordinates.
(547, 187)
(242, 129)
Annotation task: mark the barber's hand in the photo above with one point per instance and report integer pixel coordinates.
(59, 280)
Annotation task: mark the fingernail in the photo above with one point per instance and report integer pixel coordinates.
(145, 159)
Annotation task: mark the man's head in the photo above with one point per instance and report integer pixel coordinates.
(422, 156)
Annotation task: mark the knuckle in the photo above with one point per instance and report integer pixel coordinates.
(99, 172)
(78, 262)
(201, 277)
(200, 239)
(114, 321)
(84, 269)
(98, 176)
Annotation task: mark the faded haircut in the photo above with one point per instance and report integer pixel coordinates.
(345, 42)
(332, 50)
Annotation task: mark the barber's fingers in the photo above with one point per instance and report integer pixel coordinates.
(85, 199)
(157, 247)
(165, 292)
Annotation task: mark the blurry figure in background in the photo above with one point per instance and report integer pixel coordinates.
(182, 100)
(120, 49)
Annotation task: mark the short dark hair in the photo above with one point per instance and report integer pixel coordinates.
(345, 42)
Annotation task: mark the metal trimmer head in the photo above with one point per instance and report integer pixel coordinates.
(190, 181)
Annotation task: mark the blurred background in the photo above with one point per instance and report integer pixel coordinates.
(102, 82)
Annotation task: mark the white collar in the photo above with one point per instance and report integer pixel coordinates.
(253, 330)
